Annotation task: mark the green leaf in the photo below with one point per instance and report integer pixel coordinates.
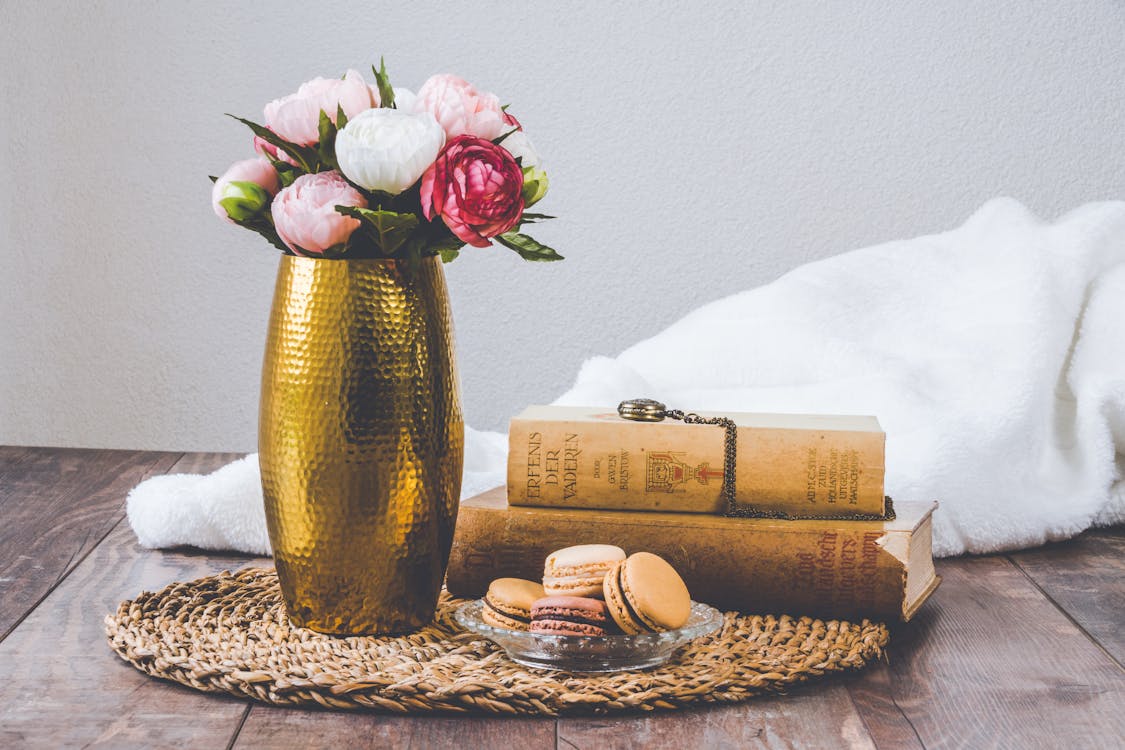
(341, 118)
(500, 139)
(303, 155)
(529, 218)
(527, 247)
(326, 143)
(325, 128)
(448, 248)
(388, 229)
(263, 226)
(383, 81)
(212, 178)
(336, 251)
(286, 172)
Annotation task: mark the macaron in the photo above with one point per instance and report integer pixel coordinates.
(644, 594)
(508, 603)
(570, 615)
(579, 570)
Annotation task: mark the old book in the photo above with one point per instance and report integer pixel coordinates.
(789, 465)
(828, 569)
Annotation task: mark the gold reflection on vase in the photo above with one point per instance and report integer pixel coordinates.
(361, 441)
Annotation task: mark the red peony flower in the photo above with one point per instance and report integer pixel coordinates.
(475, 186)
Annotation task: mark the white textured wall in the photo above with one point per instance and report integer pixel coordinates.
(707, 151)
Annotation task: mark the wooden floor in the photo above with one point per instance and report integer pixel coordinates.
(1014, 651)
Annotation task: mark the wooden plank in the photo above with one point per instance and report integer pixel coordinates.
(991, 662)
(873, 697)
(64, 687)
(814, 716)
(271, 726)
(56, 505)
(11, 456)
(1086, 577)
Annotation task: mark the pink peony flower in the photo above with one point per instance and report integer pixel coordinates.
(305, 215)
(296, 117)
(475, 186)
(244, 189)
(460, 108)
(265, 148)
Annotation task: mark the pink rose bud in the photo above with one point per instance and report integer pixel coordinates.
(475, 186)
(296, 117)
(244, 190)
(305, 216)
(460, 108)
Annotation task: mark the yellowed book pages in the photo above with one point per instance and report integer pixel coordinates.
(829, 569)
(798, 465)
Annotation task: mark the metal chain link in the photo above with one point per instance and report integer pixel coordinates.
(730, 448)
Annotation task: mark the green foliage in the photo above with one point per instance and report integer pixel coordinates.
(383, 82)
(326, 144)
(263, 225)
(338, 250)
(387, 229)
(305, 156)
(447, 247)
(527, 247)
(530, 218)
(500, 139)
(286, 172)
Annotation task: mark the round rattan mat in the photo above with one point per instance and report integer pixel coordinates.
(229, 633)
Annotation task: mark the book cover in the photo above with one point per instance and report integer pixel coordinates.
(794, 465)
(828, 569)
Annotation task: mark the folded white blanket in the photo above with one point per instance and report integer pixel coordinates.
(993, 355)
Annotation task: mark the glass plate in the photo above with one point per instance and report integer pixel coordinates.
(611, 653)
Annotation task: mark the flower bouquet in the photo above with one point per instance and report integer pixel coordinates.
(367, 190)
(351, 170)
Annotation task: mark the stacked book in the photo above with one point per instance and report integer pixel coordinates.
(821, 538)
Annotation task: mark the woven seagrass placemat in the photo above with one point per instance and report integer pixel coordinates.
(229, 633)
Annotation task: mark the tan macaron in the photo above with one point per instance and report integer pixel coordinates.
(645, 594)
(579, 570)
(508, 603)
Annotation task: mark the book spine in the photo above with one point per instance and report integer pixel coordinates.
(818, 568)
(671, 466)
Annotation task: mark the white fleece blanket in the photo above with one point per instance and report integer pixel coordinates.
(993, 355)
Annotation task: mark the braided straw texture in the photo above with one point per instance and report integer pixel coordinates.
(229, 633)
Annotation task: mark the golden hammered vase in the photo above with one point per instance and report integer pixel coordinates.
(361, 441)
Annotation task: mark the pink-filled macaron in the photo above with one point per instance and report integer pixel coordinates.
(570, 615)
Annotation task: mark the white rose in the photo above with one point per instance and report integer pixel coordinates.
(404, 99)
(388, 149)
(519, 145)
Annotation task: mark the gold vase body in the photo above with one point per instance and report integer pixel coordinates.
(361, 441)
